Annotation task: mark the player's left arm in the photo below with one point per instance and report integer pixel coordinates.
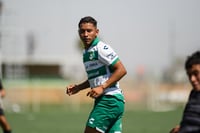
(119, 71)
(2, 91)
(110, 58)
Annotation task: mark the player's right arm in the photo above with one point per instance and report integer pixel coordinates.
(2, 91)
(175, 129)
(73, 89)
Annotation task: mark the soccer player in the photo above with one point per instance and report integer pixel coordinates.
(3, 122)
(191, 116)
(104, 70)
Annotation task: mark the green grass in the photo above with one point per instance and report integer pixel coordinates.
(150, 122)
(62, 119)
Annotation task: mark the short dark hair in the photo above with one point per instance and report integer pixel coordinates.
(88, 19)
(192, 60)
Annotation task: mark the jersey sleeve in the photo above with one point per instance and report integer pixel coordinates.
(107, 55)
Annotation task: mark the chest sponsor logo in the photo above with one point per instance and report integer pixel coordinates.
(93, 74)
(91, 65)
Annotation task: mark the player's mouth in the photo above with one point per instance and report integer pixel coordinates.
(86, 40)
(196, 86)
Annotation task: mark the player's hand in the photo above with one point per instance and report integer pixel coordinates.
(95, 92)
(175, 129)
(72, 89)
(2, 93)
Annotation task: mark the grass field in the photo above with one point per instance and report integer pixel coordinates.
(62, 119)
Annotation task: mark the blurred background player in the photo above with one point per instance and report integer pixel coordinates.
(3, 122)
(191, 116)
(104, 70)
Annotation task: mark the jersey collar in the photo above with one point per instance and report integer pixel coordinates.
(95, 42)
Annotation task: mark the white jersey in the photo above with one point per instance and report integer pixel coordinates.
(99, 60)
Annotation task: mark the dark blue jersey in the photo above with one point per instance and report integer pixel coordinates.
(1, 85)
(191, 115)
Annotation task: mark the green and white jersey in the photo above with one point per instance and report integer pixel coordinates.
(98, 61)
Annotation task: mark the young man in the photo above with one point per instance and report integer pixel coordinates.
(104, 70)
(4, 124)
(191, 116)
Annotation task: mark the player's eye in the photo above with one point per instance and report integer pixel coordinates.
(89, 30)
(196, 73)
(193, 73)
(85, 31)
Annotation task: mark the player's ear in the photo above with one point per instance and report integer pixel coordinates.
(97, 31)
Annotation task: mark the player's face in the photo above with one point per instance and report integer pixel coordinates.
(87, 32)
(194, 76)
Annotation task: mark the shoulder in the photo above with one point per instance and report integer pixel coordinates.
(101, 44)
(103, 47)
(194, 95)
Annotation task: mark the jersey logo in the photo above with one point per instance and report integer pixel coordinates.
(91, 56)
(91, 120)
(105, 47)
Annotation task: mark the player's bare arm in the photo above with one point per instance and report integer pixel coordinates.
(73, 89)
(119, 72)
(2, 93)
(175, 129)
